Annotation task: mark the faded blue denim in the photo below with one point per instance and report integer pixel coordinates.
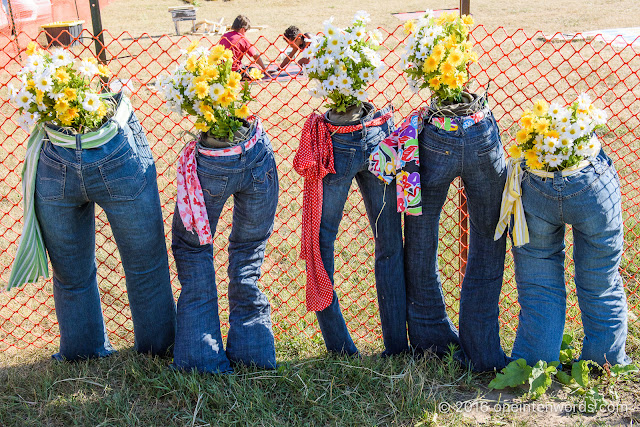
(590, 202)
(252, 179)
(351, 158)
(120, 177)
(475, 154)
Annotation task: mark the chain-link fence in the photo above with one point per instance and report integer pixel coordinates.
(514, 67)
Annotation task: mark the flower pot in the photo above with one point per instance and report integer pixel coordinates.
(209, 141)
(351, 116)
(471, 103)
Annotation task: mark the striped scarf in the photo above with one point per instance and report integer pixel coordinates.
(30, 262)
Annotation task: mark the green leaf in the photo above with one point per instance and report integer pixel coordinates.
(567, 356)
(567, 340)
(593, 401)
(567, 351)
(564, 378)
(540, 378)
(619, 370)
(514, 374)
(580, 372)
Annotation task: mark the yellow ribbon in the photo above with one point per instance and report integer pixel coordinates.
(512, 205)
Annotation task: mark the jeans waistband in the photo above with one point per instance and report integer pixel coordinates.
(451, 123)
(353, 128)
(99, 137)
(236, 149)
(565, 172)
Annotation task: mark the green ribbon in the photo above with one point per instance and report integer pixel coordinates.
(30, 262)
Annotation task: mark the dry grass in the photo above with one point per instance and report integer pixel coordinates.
(519, 67)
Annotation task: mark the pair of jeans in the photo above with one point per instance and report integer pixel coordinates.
(252, 179)
(120, 176)
(475, 154)
(589, 200)
(351, 159)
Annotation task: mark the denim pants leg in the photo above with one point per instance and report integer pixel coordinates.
(475, 154)
(351, 152)
(590, 201)
(251, 178)
(120, 177)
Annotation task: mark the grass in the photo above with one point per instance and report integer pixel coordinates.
(308, 388)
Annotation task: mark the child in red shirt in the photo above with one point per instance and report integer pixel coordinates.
(236, 41)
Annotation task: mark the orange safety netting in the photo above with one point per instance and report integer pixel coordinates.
(514, 66)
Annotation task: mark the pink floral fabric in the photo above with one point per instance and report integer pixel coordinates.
(190, 200)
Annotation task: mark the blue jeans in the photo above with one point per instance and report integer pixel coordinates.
(475, 154)
(351, 159)
(590, 201)
(252, 179)
(120, 177)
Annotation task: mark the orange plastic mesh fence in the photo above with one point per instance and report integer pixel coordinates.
(514, 67)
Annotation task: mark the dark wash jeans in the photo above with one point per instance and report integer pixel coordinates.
(252, 179)
(475, 154)
(120, 177)
(351, 158)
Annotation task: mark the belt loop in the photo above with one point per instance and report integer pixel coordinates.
(79, 147)
(244, 150)
(364, 127)
(558, 180)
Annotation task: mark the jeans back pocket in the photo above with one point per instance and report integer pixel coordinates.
(123, 176)
(50, 179)
(342, 163)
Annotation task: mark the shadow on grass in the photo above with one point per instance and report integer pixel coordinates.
(308, 388)
(130, 389)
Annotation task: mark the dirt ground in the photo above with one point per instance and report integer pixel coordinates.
(152, 17)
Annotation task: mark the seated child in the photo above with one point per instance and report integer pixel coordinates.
(298, 42)
(237, 42)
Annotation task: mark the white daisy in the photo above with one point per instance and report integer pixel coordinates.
(361, 17)
(91, 102)
(44, 82)
(553, 160)
(87, 69)
(583, 101)
(215, 90)
(24, 99)
(550, 144)
(60, 57)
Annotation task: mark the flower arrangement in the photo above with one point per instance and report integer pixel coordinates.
(343, 62)
(438, 53)
(554, 138)
(204, 86)
(56, 90)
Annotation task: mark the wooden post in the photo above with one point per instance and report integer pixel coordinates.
(98, 37)
(463, 212)
(465, 7)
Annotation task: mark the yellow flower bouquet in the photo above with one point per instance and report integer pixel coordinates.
(554, 138)
(56, 89)
(437, 54)
(204, 86)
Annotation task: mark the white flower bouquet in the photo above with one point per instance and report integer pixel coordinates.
(343, 62)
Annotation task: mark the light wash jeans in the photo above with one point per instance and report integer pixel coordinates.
(590, 201)
(351, 159)
(475, 154)
(120, 177)
(252, 179)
